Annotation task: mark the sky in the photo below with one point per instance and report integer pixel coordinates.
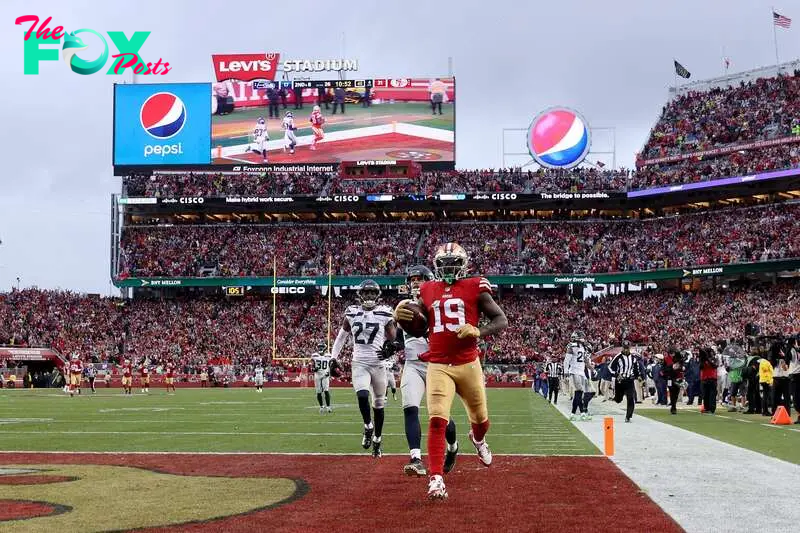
(611, 60)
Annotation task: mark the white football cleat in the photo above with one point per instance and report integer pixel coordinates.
(484, 453)
(436, 488)
(322, 410)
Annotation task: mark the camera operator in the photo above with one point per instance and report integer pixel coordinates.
(780, 359)
(672, 371)
(708, 379)
(794, 372)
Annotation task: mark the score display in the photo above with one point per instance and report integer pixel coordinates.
(237, 290)
(397, 83)
(329, 84)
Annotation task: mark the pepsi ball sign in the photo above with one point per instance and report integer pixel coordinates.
(559, 138)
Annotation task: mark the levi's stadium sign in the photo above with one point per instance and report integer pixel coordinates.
(245, 67)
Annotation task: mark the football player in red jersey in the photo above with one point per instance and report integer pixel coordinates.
(145, 376)
(127, 376)
(454, 303)
(317, 121)
(170, 378)
(75, 373)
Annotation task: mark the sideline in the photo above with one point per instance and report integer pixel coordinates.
(705, 484)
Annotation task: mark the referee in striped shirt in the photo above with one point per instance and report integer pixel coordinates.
(554, 372)
(625, 368)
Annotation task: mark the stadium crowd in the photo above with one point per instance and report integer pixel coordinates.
(488, 180)
(764, 108)
(718, 237)
(192, 332)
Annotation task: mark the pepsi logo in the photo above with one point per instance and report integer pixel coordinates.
(163, 115)
(400, 83)
(559, 138)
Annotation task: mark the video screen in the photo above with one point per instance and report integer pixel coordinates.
(319, 121)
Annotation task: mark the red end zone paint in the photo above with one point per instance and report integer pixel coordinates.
(361, 494)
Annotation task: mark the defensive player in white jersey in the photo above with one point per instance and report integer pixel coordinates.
(391, 381)
(321, 366)
(258, 377)
(260, 138)
(289, 138)
(369, 324)
(412, 384)
(575, 368)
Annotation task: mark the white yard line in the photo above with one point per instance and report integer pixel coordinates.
(706, 485)
(323, 454)
(250, 433)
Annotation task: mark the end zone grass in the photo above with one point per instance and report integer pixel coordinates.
(241, 420)
(753, 432)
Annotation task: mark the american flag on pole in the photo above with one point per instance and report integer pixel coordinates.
(780, 20)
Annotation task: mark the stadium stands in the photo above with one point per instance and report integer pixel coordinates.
(192, 332)
(718, 237)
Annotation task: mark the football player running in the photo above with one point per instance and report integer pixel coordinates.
(289, 137)
(575, 368)
(454, 303)
(260, 138)
(317, 121)
(412, 384)
(369, 324)
(391, 381)
(321, 365)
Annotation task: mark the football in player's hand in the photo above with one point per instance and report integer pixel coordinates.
(417, 326)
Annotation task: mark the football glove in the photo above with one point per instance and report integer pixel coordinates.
(468, 330)
(401, 313)
(388, 349)
(334, 368)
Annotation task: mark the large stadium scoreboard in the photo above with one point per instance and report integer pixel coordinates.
(332, 84)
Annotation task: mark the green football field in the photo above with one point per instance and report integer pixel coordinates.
(242, 420)
(753, 432)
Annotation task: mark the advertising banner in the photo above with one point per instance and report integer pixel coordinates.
(162, 125)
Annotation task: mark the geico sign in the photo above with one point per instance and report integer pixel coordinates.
(345, 198)
(504, 196)
(288, 290)
(192, 200)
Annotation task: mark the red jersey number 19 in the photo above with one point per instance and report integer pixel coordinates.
(453, 311)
